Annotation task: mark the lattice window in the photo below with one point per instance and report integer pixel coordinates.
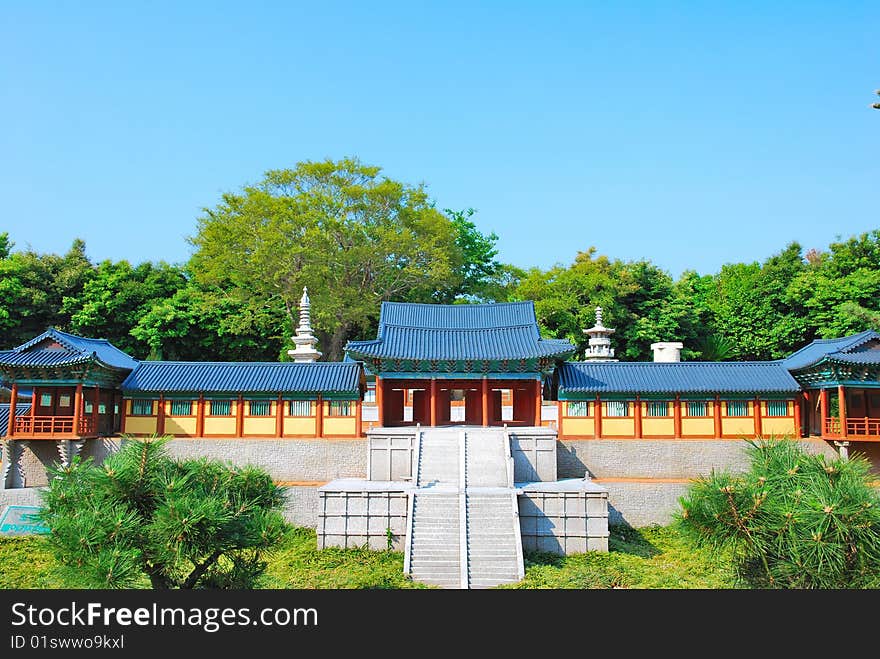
(658, 408)
(617, 408)
(141, 407)
(181, 408)
(578, 408)
(697, 408)
(340, 408)
(737, 408)
(300, 408)
(259, 407)
(777, 408)
(220, 407)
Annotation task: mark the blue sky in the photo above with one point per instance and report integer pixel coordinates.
(692, 134)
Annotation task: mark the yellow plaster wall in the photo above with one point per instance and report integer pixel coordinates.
(140, 425)
(696, 426)
(578, 427)
(262, 426)
(738, 426)
(294, 425)
(175, 425)
(658, 426)
(339, 425)
(776, 425)
(616, 427)
(220, 425)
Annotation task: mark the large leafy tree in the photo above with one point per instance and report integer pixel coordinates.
(144, 516)
(354, 237)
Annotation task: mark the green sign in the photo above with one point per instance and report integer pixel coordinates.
(21, 520)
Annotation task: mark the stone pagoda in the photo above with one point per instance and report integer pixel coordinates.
(599, 349)
(305, 341)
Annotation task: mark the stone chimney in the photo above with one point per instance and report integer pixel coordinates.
(599, 349)
(305, 342)
(667, 351)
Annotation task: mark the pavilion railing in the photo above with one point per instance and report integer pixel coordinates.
(52, 426)
(855, 427)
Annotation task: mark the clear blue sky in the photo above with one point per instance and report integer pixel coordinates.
(692, 134)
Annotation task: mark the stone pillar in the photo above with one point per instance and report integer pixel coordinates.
(638, 417)
(68, 449)
(676, 417)
(841, 397)
(13, 475)
(432, 396)
(716, 413)
(485, 401)
(10, 428)
(843, 448)
(759, 430)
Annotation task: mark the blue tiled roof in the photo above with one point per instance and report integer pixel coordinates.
(20, 409)
(337, 377)
(816, 350)
(862, 357)
(74, 350)
(459, 332)
(677, 377)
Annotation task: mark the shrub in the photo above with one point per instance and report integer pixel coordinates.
(794, 520)
(144, 517)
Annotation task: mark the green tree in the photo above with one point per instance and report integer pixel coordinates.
(353, 237)
(793, 520)
(177, 523)
(482, 278)
(117, 297)
(34, 287)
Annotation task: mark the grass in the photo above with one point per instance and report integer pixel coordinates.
(655, 557)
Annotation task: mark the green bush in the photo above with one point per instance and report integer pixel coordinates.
(794, 520)
(144, 518)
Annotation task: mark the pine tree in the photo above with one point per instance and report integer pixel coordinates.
(794, 520)
(144, 516)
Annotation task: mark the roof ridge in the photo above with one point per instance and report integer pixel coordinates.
(463, 306)
(216, 363)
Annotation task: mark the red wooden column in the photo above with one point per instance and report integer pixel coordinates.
(538, 389)
(200, 416)
(485, 401)
(319, 412)
(380, 402)
(559, 419)
(676, 416)
(239, 416)
(160, 420)
(13, 399)
(34, 399)
(759, 431)
(95, 410)
(841, 395)
(77, 408)
(798, 428)
(716, 413)
(279, 416)
(597, 417)
(638, 417)
(358, 421)
(432, 397)
(823, 411)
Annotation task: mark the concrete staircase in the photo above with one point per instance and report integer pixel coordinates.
(463, 522)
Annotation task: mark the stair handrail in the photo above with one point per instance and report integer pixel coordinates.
(410, 519)
(509, 454)
(416, 457)
(464, 568)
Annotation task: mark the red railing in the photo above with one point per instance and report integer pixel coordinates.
(860, 427)
(52, 426)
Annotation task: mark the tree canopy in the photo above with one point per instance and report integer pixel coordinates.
(356, 238)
